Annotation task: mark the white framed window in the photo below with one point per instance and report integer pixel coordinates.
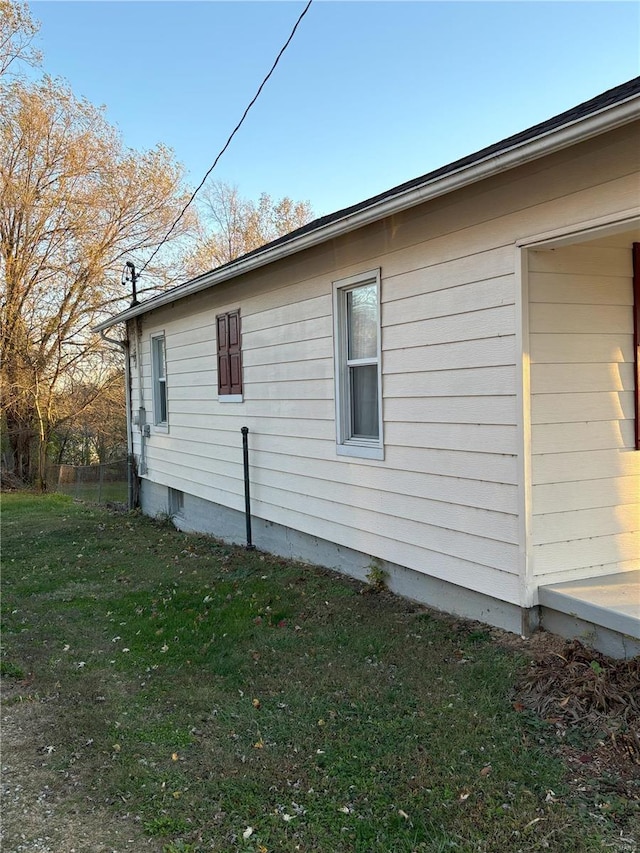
(159, 381)
(358, 366)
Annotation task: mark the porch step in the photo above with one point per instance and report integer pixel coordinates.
(604, 611)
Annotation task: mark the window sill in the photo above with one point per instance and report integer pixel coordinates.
(230, 398)
(359, 451)
(163, 429)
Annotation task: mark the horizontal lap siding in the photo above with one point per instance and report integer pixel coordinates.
(444, 501)
(585, 472)
(470, 574)
(445, 495)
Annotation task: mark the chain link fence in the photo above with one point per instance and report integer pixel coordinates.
(106, 483)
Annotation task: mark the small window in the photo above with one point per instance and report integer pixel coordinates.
(358, 366)
(229, 356)
(159, 374)
(176, 502)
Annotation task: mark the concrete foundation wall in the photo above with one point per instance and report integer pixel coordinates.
(611, 643)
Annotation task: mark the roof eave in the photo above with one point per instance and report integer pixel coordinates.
(579, 130)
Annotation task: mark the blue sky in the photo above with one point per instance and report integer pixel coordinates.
(369, 94)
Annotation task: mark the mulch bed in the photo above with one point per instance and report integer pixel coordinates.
(583, 687)
(578, 690)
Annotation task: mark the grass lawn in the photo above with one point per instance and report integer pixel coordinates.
(231, 701)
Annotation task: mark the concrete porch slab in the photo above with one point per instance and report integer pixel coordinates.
(611, 603)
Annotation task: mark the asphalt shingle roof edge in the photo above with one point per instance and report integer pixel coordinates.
(611, 97)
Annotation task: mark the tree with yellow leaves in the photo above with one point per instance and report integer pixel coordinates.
(232, 226)
(74, 205)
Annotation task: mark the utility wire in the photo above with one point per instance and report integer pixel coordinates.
(228, 142)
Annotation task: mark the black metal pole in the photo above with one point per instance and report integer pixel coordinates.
(130, 493)
(132, 270)
(247, 497)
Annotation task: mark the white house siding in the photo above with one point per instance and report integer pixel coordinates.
(585, 470)
(444, 501)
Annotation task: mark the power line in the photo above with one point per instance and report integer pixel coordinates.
(232, 134)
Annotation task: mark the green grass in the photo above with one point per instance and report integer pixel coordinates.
(210, 690)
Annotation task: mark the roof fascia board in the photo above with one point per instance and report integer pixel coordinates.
(608, 119)
(602, 227)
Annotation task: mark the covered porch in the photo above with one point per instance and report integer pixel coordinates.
(584, 552)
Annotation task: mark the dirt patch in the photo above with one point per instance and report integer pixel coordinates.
(44, 809)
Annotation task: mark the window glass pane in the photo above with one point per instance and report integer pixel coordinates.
(158, 344)
(364, 401)
(162, 402)
(362, 322)
(176, 502)
(159, 381)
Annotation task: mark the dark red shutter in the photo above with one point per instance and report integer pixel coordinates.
(235, 354)
(224, 378)
(636, 337)
(229, 353)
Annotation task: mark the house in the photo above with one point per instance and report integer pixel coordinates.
(441, 381)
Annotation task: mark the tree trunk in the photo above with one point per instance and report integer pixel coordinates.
(63, 447)
(20, 435)
(41, 475)
(43, 438)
